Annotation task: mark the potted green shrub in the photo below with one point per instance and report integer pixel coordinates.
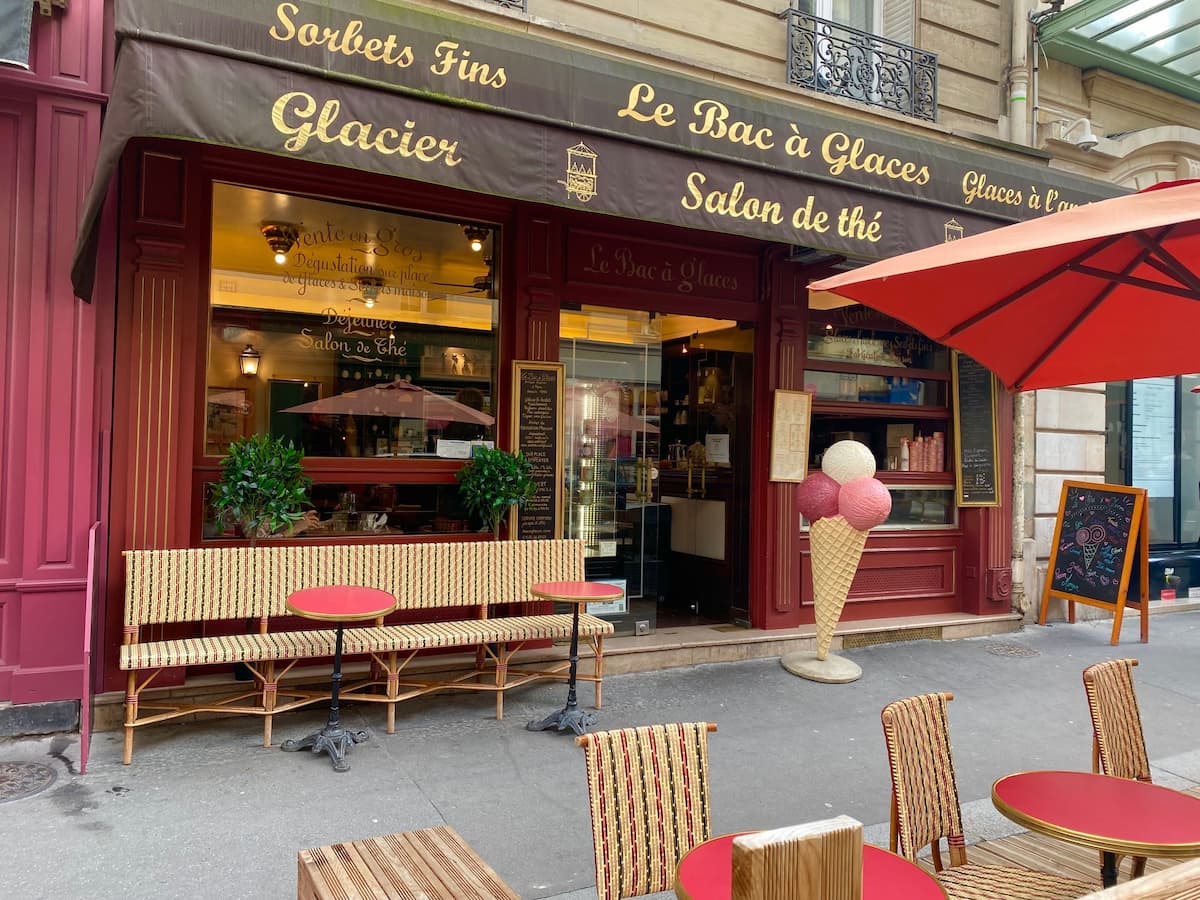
(263, 489)
(493, 482)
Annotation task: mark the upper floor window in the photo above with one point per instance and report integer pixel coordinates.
(860, 14)
(864, 51)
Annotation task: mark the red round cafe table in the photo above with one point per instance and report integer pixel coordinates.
(706, 873)
(1117, 816)
(340, 603)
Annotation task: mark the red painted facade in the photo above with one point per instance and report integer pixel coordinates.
(53, 375)
(83, 378)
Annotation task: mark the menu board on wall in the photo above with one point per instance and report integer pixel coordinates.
(789, 435)
(537, 432)
(976, 468)
(1153, 438)
(1099, 553)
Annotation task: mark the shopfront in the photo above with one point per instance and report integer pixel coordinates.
(345, 230)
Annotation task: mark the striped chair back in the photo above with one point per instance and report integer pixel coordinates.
(1118, 745)
(648, 792)
(212, 583)
(925, 805)
(192, 585)
(448, 574)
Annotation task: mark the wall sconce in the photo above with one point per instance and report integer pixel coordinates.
(281, 237)
(1085, 139)
(248, 360)
(369, 286)
(476, 236)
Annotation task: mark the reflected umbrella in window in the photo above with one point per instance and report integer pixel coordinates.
(395, 400)
(592, 402)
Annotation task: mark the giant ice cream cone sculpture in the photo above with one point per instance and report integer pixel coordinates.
(837, 547)
(842, 502)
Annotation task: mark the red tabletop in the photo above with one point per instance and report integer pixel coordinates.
(1119, 815)
(341, 603)
(706, 873)
(576, 591)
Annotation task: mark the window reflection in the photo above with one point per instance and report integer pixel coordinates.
(375, 332)
(371, 509)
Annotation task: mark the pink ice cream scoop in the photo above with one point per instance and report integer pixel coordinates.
(864, 503)
(817, 496)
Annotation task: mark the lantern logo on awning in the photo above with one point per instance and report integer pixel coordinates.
(581, 172)
(954, 231)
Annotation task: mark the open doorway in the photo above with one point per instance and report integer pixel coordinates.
(657, 461)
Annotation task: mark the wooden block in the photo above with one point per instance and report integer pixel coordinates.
(1180, 882)
(432, 863)
(817, 859)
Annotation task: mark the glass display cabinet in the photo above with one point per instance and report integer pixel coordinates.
(611, 452)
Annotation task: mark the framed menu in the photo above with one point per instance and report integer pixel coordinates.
(790, 425)
(976, 463)
(537, 432)
(1099, 555)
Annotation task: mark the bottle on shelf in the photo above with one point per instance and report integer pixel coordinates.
(905, 455)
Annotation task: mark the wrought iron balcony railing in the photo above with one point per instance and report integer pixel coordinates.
(845, 62)
(511, 4)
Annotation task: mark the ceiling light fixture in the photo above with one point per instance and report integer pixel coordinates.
(476, 236)
(369, 286)
(281, 237)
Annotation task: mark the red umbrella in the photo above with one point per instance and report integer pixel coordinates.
(1108, 291)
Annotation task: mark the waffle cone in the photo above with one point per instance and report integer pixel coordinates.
(836, 549)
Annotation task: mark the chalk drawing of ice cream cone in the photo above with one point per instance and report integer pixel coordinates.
(1090, 540)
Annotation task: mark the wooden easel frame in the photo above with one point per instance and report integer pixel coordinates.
(1137, 549)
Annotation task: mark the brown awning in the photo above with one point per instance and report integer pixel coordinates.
(552, 133)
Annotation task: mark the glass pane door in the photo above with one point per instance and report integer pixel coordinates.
(613, 361)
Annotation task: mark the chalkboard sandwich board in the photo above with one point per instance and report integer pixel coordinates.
(976, 467)
(537, 432)
(1099, 555)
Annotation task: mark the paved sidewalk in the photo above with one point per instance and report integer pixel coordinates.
(205, 810)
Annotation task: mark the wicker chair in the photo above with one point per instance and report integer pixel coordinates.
(925, 809)
(1118, 746)
(648, 792)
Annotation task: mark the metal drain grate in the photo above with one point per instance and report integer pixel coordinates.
(868, 638)
(1014, 650)
(23, 779)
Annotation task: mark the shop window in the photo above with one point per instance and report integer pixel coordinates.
(366, 337)
(1152, 440)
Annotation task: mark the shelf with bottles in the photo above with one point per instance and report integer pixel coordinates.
(905, 449)
(701, 399)
(920, 392)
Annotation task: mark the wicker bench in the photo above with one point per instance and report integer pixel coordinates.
(447, 594)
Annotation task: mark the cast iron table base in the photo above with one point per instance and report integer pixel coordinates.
(570, 716)
(333, 738)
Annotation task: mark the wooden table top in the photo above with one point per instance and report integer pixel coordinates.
(433, 863)
(340, 603)
(1118, 815)
(706, 873)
